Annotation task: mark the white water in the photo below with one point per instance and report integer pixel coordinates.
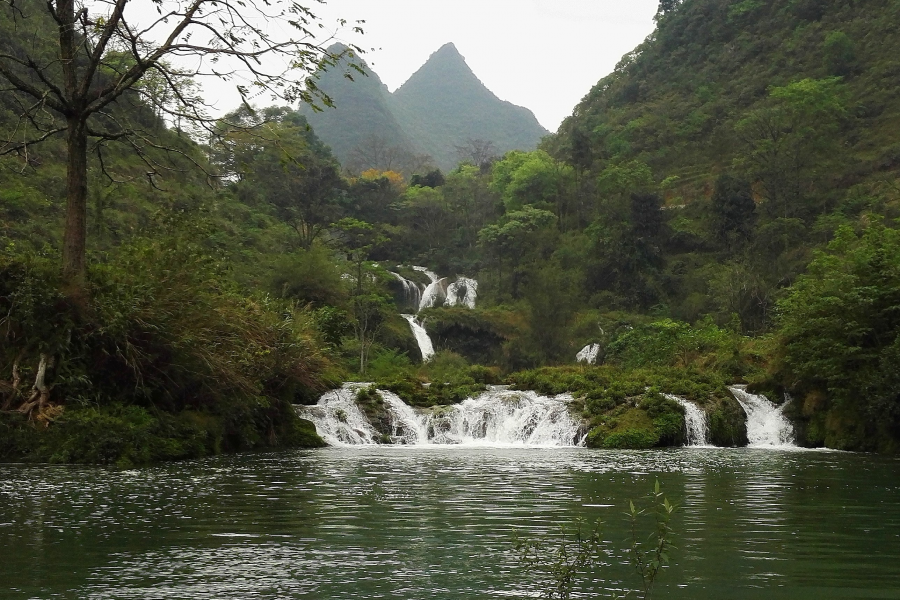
(695, 423)
(425, 344)
(767, 427)
(434, 292)
(339, 420)
(462, 291)
(411, 292)
(588, 354)
(498, 417)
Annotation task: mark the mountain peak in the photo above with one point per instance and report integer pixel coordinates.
(446, 69)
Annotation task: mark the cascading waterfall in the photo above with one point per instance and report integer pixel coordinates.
(463, 291)
(434, 292)
(588, 354)
(338, 419)
(411, 292)
(498, 417)
(767, 426)
(695, 423)
(426, 347)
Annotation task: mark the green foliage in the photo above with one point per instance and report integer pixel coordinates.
(559, 567)
(840, 330)
(309, 277)
(167, 334)
(667, 343)
(839, 53)
(650, 556)
(559, 563)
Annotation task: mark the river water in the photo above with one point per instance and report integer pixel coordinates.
(438, 522)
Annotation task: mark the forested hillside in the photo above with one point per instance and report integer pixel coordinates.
(722, 208)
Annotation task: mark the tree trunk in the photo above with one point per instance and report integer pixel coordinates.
(74, 265)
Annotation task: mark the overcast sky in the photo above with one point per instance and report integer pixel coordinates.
(542, 54)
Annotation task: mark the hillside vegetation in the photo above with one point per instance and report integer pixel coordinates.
(720, 209)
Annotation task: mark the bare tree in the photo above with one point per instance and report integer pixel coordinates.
(477, 152)
(107, 50)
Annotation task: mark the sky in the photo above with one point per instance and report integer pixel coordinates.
(542, 54)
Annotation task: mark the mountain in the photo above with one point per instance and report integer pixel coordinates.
(443, 106)
(362, 126)
(683, 101)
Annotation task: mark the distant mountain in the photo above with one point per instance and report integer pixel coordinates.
(363, 122)
(442, 107)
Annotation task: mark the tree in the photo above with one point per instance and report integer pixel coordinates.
(840, 327)
(107, 48)
(275, 155)
(734, 211)
(792, 141)
(518, 237)
(667, 7)
(477, 152)
(369, 308)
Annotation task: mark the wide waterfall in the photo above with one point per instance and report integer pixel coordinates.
(695, 423)
(462, 292)
(766, 424)
(498, 417)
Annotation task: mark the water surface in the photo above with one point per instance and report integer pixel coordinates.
(438, 522)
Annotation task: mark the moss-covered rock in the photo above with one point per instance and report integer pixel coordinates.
(370, 402)
(726, 419)
(626, 429)
(478, 334)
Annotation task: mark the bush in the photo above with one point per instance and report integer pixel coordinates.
(165, 337)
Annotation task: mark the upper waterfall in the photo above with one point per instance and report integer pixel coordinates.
(462, 291)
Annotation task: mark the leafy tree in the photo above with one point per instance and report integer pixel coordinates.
(282, 161)
(533, 178)
(369, 307)
(791, 141)
(104, 51)
(733, 211)
(468, 196)
(839, 53)
(516, 239)
(427, 218)
(840, 326)
(432, 179)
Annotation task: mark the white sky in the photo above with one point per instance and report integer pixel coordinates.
(542, 54)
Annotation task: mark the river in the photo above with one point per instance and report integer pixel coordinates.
(438, 522)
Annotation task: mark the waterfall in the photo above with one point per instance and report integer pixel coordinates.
(411, 292)
(433, 293)
(425, 344)
(338, 419)
(766, 424)
(462, 291)
(498, 417)
(588, 354)
(695, 424)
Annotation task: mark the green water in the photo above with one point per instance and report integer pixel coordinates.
(347, 523)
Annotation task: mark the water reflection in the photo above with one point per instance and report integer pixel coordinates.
(438, 522)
